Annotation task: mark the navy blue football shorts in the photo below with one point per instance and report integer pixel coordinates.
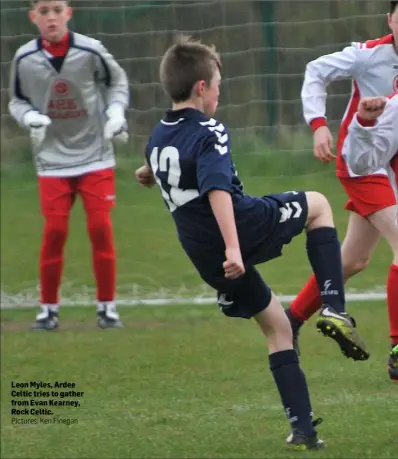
(249, 294)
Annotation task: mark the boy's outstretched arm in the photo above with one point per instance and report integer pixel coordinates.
(221, 205)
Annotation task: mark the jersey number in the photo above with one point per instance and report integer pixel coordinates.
(168, 161)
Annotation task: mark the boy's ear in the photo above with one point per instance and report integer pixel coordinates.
(69, 12)
(32, 16)
(198, 87)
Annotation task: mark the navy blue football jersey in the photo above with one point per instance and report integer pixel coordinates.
(190, 155)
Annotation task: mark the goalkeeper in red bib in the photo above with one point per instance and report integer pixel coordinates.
(71, 95)
(372, 143)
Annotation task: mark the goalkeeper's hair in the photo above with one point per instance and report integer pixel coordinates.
(185, 63)
(393, 6)
(34, 2)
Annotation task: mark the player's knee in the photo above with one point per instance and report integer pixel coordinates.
(280, 337)
(319, 210)
(352, 267)
(318, 204)
(100, 230)
(392, 239)
(55, 231)
(275, 325)
(279, 328)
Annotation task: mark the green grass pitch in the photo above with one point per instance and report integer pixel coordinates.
(180, 381)
(185, 381)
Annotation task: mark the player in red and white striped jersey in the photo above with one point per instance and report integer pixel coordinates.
(373, 68)
(372, 142)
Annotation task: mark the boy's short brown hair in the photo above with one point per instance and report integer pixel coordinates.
(185, 63)
(33, 2)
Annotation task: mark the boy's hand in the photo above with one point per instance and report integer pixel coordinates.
(37, 124)
(370, 108)
(323, 144)
(144, 176)
(116, 126)
(233, 265)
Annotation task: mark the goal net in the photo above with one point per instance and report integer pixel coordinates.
(264, 47)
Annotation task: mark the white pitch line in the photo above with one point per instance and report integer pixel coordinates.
(11, 302)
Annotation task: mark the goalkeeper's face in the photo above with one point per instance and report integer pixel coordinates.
(211, 94)
(51, 17)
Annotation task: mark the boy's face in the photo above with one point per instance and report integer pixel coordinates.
(51, 17)
(211, 93)
(393, 24)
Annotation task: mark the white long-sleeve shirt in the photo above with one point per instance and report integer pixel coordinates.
(368, 148)
(75, 97)
(373, 68)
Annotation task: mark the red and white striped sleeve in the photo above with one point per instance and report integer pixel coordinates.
(319, 73)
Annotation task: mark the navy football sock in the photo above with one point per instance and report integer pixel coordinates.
(293, 390)
(324, 254)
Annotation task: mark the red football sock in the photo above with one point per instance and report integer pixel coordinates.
(308, 301)
(51, 257)
(104, 258)
(392, 302)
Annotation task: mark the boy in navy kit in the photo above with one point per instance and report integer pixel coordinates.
(226, 232)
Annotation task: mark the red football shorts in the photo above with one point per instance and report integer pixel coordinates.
(58, 194)
(367, 195)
